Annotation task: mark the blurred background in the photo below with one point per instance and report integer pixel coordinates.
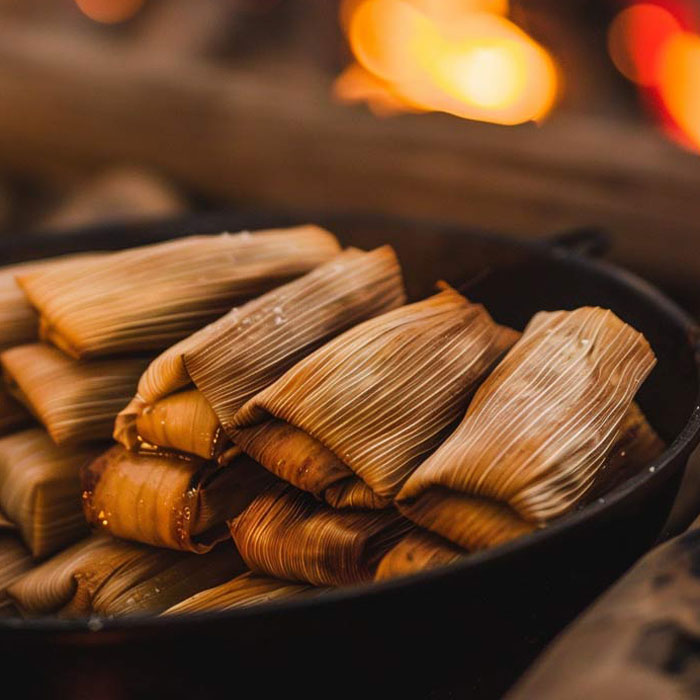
(528, 117)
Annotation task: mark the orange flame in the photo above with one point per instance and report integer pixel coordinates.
(463, 57)
(109, 11)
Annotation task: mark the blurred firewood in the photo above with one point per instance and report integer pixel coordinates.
(639, 641)
(273, 141)
(117, 194)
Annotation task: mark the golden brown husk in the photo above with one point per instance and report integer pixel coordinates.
(287, 534)
(175, 502)
(249, 348)
(15, 561)
(40, 489)
(105, 576)
(374, 401)
(76, 401)
(242, 592)
(417, 551)
(150, 297)
(537, 433)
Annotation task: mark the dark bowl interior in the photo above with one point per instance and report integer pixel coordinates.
(472, 626)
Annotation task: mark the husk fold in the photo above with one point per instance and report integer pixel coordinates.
(105, 576)
(150, 297)
(287, 534)
(250, 347)
(351, 421)
(15, 561)
(179, 503)
(76, 401)
(242, 592)
(40, 489)
(537, 433)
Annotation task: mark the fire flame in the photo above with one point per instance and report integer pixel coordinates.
(463, 57)
(109, 11)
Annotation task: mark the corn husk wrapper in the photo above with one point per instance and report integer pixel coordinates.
(150, 297)
(252, 346)
(105, 576)
(40, 489)
(13, 415)
(287, 534)
(75, 400)
(179, 503)
(537, 433)
(417, 551)
(350, 422)
(242, 592)
(15, 561)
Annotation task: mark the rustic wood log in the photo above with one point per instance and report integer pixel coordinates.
(280, 142)
(640, 640)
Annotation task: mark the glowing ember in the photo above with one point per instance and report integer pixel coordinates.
(459, 56)
(109, 11)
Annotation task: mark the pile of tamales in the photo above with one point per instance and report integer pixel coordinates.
(220, 421)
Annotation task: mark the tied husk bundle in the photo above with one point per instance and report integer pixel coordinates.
(76, 401)
(417, 551)
(150, 297)
(537, 433)
(245, 351)
(242, 592)
(287, 534)
(175, 502)
(350, 422)
(15, 561)
(40, 489)
(104, 576)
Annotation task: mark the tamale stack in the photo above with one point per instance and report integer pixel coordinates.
(240, 354)
(76, 401)
(40, 489)
(150, 297)
(350, 422)
(242, 592)
(105, 576)
(537, 432)
(176, 502)
(287, 534)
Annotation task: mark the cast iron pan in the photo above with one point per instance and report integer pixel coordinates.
(468, 629)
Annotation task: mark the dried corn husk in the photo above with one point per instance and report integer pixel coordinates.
(150, 297)
(15, 561)
(180, 503)
(13, 415)
(75, 400)
(242, 592)
(537, 433)
(417, 551)
(249, 348)
(105, 576)
(287, 534)
(351, 421)
(40, 489)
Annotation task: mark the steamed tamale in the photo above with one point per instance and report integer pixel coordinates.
(249, 348)
(40, 489)
(242, 592)
(105, 576)
(351, 421)
(537, 432)
(15, 561)
(288, 534)
(176, 502)
(150, 297)
(417, 551)
(75, 400)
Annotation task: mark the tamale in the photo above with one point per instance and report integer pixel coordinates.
(40, 489)
(242, 592)
(15, 561)
(417, 551)
(350, 422)
(249, 348)
(75, 400)
(13, 415)
(105, 576)
(150, 297)
(288, 534)
(537, 432)
(177, 502)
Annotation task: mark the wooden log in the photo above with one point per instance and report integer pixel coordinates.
(278, 142)
(640, 640)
